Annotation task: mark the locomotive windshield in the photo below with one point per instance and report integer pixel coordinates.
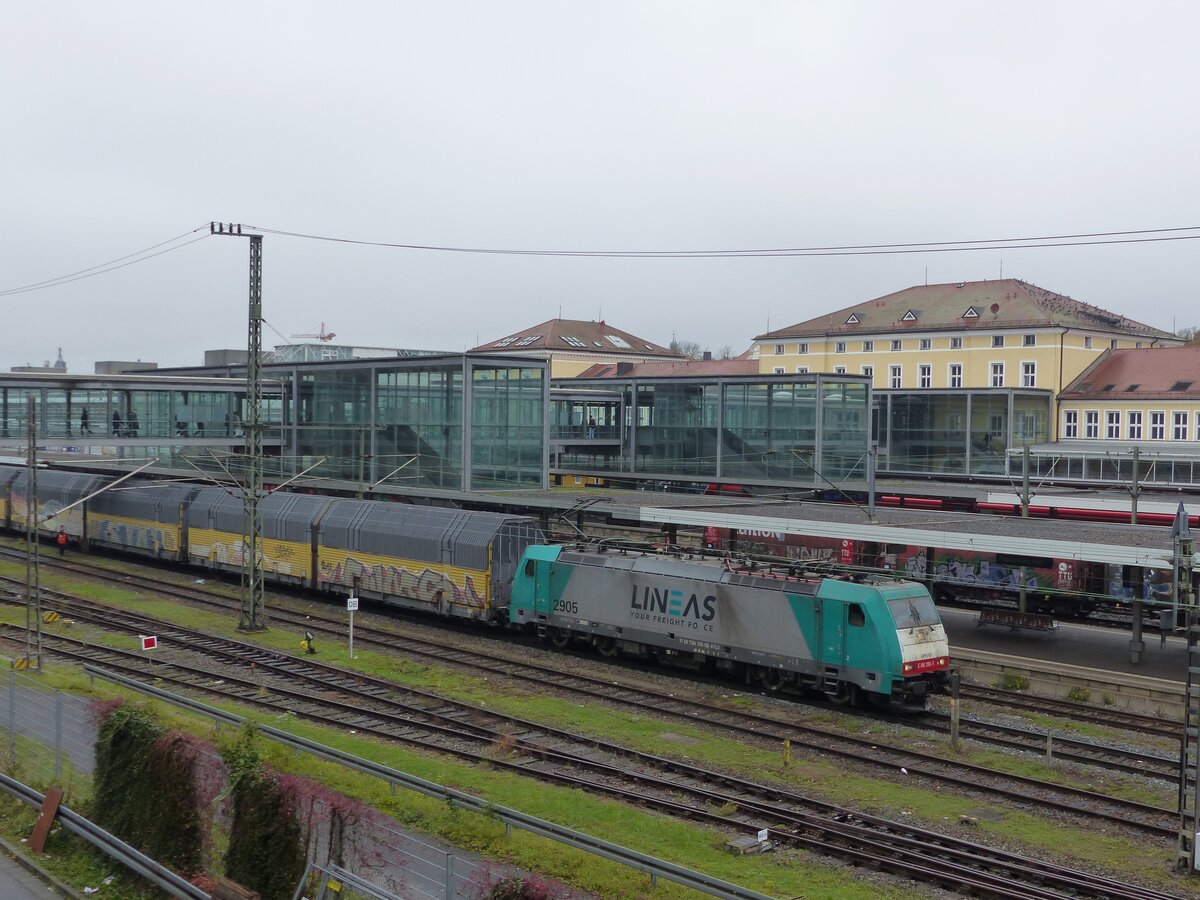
(909, 612)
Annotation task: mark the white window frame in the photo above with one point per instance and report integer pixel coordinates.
(869, 371)
(1179, 425)
(868, 347)
(1029, 340)
(954, 379)
(997, 374)
(1028, 374)
(1087, 343)
(1158, 424)
(779, 349)
(1112, 345)
(925, 375)
(1134, 423)
(1112, 425)
(926, 344)
(895, 376)
(839, 370)
(1070, 424)
(1091, 424)
(779, 370)
(955, 343)
(997, 341)
(802, 348)
(839, 347)
(801, 370)
(897, 344)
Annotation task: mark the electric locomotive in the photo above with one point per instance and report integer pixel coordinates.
(880, 639)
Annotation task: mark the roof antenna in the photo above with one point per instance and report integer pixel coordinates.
(927, 276)
(1001, 266)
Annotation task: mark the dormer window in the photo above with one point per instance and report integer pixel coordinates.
(909, 316)
(853, 320)
(574, 341)
(526, 341)
(971, 313)
(505, 342)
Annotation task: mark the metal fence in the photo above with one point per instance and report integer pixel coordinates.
(49, 736)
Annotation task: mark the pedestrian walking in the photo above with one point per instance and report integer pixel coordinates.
(83, 422)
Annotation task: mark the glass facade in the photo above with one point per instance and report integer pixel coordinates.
(457, 422)
(789, 429)
(967, 432)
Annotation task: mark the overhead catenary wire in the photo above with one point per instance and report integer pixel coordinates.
(1082, 239)
(1141, 236)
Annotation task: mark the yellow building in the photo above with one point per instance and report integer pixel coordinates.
(1146, 397)
(574, 346)
(981, 334)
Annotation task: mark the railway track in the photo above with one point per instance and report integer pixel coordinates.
(343, 699)
(828, 741)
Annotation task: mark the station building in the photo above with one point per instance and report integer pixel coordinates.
(573, 346)
(971, 336)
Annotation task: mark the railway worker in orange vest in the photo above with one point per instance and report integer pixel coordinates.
(62, 542)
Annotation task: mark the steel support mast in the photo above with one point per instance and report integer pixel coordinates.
(254, 614)
(1189, 755)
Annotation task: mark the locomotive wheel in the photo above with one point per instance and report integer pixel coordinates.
(845, 695)
(605, 645)
(559, 637)
(771, 679)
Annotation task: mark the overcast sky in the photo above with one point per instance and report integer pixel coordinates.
(567, 125)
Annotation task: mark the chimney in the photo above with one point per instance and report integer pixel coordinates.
(708, 356)
(624, 368)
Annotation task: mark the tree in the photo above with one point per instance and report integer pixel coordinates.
(690, 349)
(1191, 334)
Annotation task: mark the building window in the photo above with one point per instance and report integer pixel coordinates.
(897, 345)
(925, 374)
(1135, 425)
(839, 370)
(1179, 423)
(956, 375)
(997, 374)
(1071, 423)
(1112, 344)
(1158, 426)
(894, 376)
(779, 349)
(779, 370)
(1091, 424)
(1112, 425)
(996, 425)
(869, 371)
(1028, 374)
(802, 348)
(956, 343)
(926, 343)
(1138, 345)
(1087, 343)
(801, 370)
(868, 346)
(1027, 426)
(1029, 340)
(997, 340)
(839, 347)
(954, 422)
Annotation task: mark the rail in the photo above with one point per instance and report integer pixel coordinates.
(158, 875)
(649, 865)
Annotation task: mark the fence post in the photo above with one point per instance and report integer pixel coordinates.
(450, 876)
(12, 717)
(58, 735)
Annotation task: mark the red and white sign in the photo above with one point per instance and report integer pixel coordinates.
(932, 664)
(149, 641)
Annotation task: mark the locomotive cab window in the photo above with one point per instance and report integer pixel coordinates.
(854, 615)
(529, 568)
(909, 612)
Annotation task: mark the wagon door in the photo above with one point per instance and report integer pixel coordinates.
(541, 586)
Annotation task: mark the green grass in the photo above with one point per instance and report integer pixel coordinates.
(787, 874)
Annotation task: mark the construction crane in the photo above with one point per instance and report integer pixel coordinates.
(321, 335)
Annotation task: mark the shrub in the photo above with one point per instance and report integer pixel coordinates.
(1079, 694)
(1010, 681)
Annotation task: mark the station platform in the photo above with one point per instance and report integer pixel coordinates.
(1071, 644)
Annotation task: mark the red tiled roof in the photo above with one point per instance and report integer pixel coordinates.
(1159, 372)
(983, 305)
(570, 335)
(665, 368)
